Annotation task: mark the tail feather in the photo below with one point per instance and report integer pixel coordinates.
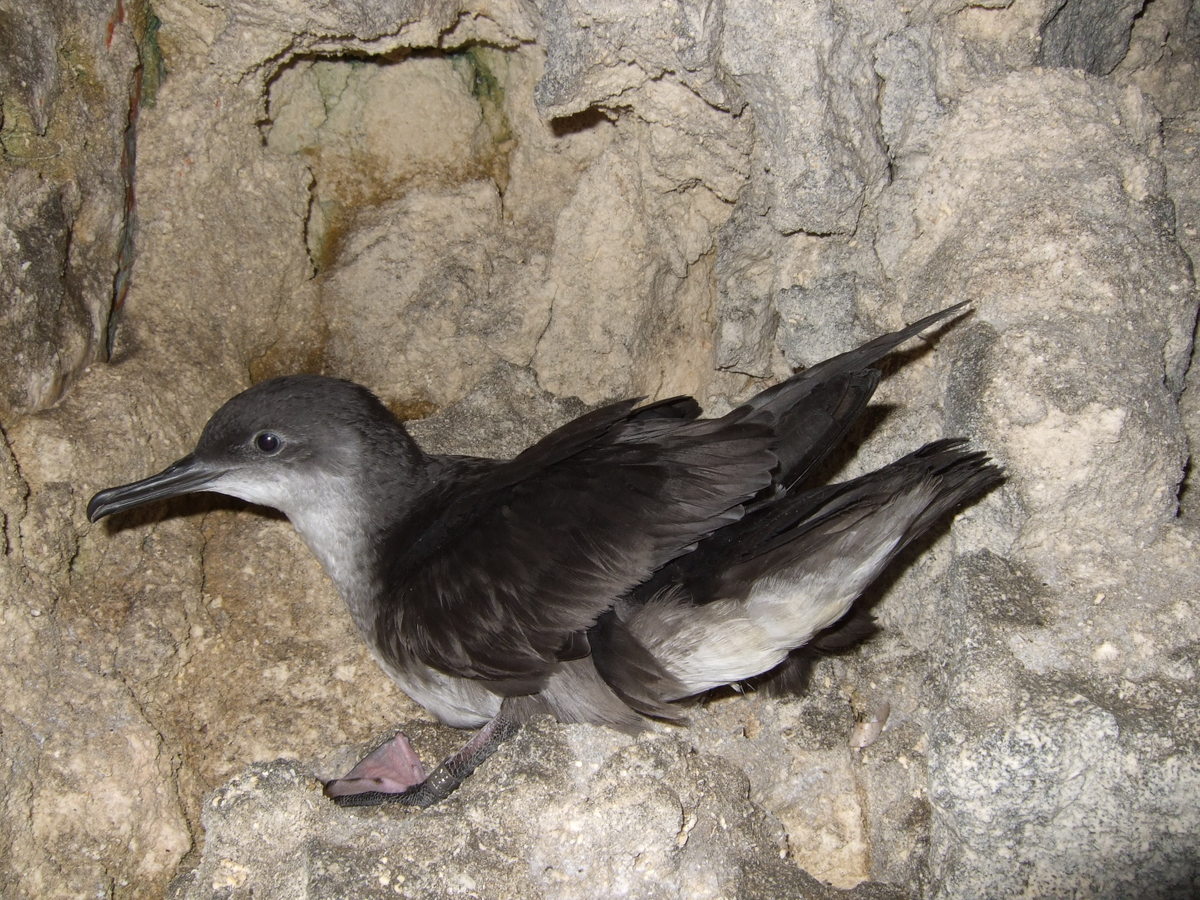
(798, 570)
(962, 476)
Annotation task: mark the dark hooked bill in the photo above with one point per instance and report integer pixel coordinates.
(182, 477)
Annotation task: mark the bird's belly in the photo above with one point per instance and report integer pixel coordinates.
(459, 702)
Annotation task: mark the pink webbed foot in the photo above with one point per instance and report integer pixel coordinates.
(391, 768)
(393, 772)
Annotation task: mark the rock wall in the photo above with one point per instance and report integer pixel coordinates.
(494, 213)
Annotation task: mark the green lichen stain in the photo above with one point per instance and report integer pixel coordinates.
(143, 25)
(154, 69)
(484, 69)
(477, 63)
(22, 145)
(58, 153)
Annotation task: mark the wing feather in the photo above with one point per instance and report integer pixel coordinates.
(503, 567)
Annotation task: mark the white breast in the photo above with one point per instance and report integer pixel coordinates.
(459, 702)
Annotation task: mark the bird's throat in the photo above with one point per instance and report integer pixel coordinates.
(338, 531)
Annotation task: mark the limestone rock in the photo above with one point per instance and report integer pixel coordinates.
(497, 214)
(579, 816)
(67, 92)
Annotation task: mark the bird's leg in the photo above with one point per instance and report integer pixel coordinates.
(362, 785)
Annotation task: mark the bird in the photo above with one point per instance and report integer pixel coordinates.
(631, 560)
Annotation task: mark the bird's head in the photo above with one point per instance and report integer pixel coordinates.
(289, 443)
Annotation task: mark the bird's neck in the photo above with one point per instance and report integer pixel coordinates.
(347, 512)
(338, 533)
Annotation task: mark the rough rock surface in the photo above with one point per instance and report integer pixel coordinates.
(497, 213)
(562, 814)
(66, 97)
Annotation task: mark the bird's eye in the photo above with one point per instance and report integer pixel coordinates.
(267, 442)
